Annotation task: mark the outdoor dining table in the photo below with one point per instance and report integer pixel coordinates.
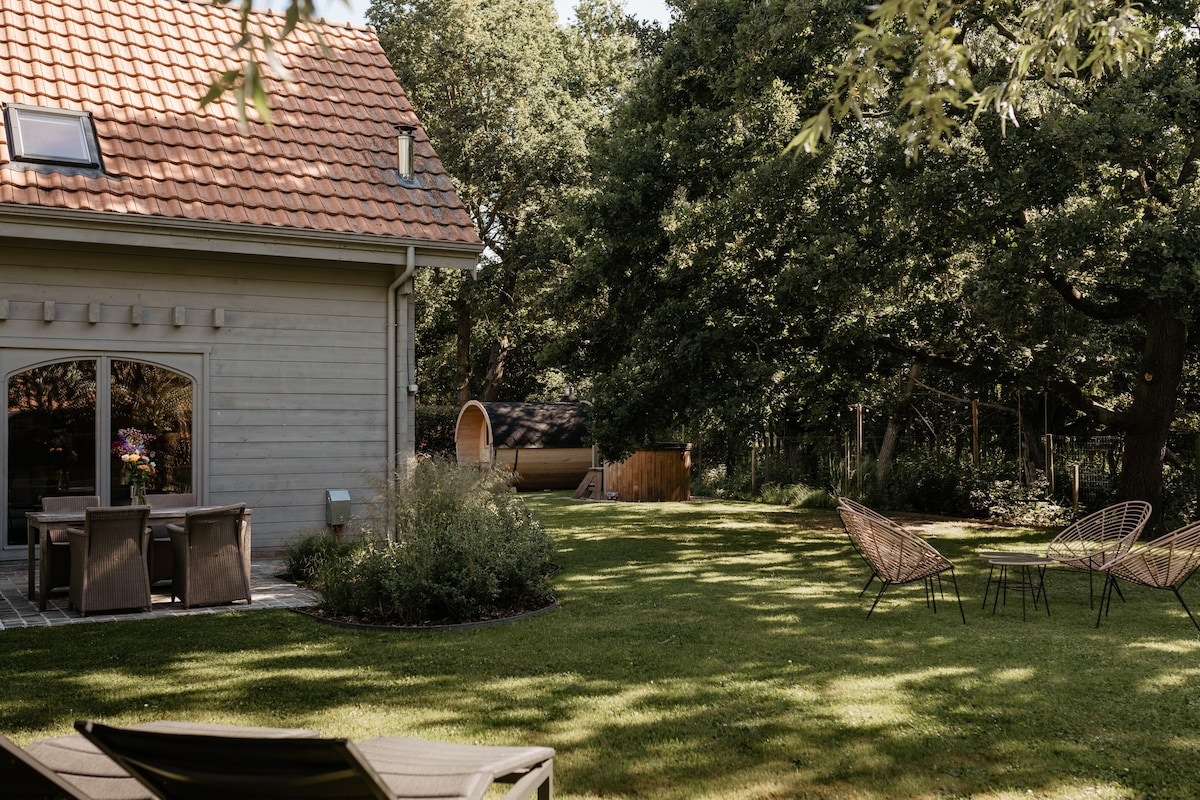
(42, 522)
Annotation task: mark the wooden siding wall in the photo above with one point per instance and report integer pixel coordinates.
(651, 476)
(295, 385)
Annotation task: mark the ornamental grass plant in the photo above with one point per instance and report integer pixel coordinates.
(700, 651)
(455, 546)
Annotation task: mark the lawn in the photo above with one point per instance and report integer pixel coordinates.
(713, 650)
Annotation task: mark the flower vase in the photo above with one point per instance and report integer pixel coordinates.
(137, 491)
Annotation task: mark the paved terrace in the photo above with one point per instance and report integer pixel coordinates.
(18, 611)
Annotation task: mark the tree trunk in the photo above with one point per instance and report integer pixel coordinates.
(462, 315)
(1033, 450)
(1154, 400)
(897, 422)
(495, 374)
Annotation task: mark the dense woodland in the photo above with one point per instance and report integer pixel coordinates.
(750, 226)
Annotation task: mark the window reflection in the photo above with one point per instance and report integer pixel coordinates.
(51, 437)
(156, 401)
(55, 444)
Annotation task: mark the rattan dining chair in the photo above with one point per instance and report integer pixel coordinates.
(161, 558)
(897, 556)
(1093, 541)
(108, 560)
(1164, 563)
(212, 557)
(54, 569)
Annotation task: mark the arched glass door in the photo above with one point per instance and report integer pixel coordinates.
(64, 416)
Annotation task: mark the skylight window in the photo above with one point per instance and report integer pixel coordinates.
(51, 136)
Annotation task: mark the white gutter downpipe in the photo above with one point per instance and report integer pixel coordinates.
(392, 382)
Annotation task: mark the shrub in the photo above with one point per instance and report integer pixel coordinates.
(797, 495)
(1016, 504)
(463, 548)
(306, 557)
(715, 482)
(435, 430)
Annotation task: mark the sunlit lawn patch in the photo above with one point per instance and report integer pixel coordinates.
(700, 651)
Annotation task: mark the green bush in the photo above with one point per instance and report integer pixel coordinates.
(463, 548)
(1016, 504)
(797, 495)
(435, 430)
(305, 558)
(716, 482)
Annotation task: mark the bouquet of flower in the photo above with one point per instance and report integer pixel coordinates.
(137, 460)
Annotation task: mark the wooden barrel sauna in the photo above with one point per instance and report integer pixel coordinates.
(662, 473)
(541, 443)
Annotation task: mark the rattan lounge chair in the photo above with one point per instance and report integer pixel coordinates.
(54, 569)
(859, 508)
(1090, 543)
(211, 557)
(108, 560)
(1164, 563)
(844, 502)
(22, 777)
(189, 766)
(896, 555)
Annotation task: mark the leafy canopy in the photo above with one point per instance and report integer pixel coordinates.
(925, 58)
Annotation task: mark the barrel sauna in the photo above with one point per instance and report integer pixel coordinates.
(542, 444)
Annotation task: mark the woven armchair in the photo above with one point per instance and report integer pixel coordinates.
(108, 560)
(1090, 543)
(55, 567)
(212, 557)
(896, 555)
(161, 558)
(1164, 563)
(852, 533)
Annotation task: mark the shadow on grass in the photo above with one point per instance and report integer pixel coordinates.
(700, 651)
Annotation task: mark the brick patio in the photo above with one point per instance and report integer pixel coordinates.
(18, 611)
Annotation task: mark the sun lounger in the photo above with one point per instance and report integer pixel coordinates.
(179, 761)
(22, 777)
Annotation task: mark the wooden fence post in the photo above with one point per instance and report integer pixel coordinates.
(1075, 490)
(860, 447)
(975, 433)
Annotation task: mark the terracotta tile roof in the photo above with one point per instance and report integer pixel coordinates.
(140, 66)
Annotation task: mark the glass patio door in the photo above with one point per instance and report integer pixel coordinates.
(63, 418)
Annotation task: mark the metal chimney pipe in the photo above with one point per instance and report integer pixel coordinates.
(404, 150)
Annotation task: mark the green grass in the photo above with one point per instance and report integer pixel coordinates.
(700, 651)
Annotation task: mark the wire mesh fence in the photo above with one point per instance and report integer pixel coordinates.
(1076, 472)
(1085, 469)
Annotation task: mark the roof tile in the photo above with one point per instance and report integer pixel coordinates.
(140, 67)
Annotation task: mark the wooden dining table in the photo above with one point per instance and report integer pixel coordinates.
(42, 522)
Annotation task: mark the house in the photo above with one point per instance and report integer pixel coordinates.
(242, 295)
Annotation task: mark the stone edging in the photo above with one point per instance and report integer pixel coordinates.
(462, 626)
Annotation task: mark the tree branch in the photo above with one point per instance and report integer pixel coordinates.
(964, 400)
(943, 362)
(1190, 166)
(1121, 308)
(1075, 398)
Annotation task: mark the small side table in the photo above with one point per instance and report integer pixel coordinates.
(1033, 582)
